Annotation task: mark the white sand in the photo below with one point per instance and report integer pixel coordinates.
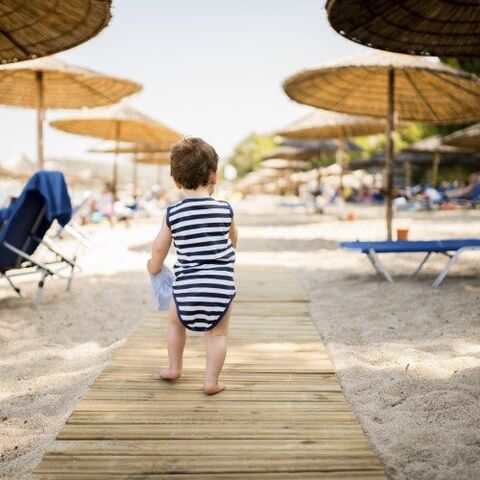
(407, 356)
(423, 420)
(50, 355)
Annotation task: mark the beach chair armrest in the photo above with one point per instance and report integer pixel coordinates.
(28, 258)
(75, 232)
(49, 245)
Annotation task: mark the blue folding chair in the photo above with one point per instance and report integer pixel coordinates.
(44, 200)
(451, 248)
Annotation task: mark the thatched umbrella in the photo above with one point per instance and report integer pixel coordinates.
(284, 167)
(427, 27)
(51, 83)
(328, 124)
(283, 164)
(428, 91)
(466, 138)
(119, 123)
(17, 167)
(433, 146)
(161, 159)
(109, 146)
(325, 124)
(44, 27)
(297, 153)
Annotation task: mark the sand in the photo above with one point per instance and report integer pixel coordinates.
(50, 355)
(407, 356)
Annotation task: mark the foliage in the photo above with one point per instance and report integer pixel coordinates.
(469, 64)
(248, 153)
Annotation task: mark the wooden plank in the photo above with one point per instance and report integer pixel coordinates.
(238, 395)
(282, 416)
(198, 405)
(231, 448)
(233, 385)
(317, 475)
(140, 464)
(232, 418)
(282, 431)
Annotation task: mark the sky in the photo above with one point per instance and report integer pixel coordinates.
(209, 68)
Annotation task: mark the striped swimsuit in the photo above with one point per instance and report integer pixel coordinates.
(204, 287)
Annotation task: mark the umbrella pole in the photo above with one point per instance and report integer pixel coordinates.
(408, 174)
(390, 159)
(40, 118)
(436, 164)
(341, 160)
(115, 162)
(135, 175)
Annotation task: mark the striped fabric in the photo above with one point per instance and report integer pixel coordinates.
(204, 285)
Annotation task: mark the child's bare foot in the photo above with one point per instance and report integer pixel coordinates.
(214, 388)
(170, 374)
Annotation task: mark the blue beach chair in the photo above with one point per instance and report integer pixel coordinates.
(26, 221)
(451, 248)
(472, 199)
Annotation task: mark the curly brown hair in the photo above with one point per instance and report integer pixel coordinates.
(193, 162)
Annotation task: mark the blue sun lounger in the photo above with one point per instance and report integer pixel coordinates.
(451, 248)
(25, 224)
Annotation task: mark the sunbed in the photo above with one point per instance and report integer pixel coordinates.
(471, 200)
(44, 199)
(451, 248)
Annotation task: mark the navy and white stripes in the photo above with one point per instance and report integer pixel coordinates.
(204, 286)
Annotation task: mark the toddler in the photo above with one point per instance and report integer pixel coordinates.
(205, 236)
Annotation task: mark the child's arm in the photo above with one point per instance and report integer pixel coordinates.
(160, 248)
(233, 233)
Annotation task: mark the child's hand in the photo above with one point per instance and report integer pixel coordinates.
(151, 267)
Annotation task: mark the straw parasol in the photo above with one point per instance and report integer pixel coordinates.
(110, 146)
(283, 164)
(154, 159)
(426, 27)
(429, 91)
(118, 122)
(51, 83)
(19, 167)
(466, 138)
(297, 153)
(161, 159)
(436, 149)
(328, 124)
(43, 27)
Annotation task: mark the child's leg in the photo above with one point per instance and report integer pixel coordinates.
(216, 341)
(176, 337)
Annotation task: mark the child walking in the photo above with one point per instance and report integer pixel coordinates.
(205, 236)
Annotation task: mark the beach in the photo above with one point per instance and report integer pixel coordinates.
(407, 355)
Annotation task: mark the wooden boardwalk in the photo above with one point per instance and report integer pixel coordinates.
(283, 414)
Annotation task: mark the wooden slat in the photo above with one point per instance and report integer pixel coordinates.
(282, 416)
(138, 464)
(201, 432)
(317, 475)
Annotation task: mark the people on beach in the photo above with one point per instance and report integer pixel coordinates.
(204, 234)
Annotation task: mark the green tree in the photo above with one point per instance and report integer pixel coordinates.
(249, 152)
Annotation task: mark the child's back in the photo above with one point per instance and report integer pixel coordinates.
(204, 286)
